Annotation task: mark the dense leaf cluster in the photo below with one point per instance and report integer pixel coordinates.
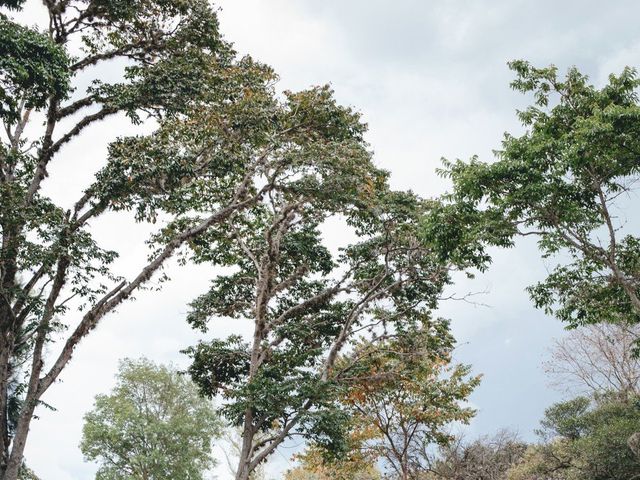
(32, 68)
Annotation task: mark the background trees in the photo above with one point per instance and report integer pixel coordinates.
(402, 399)
(153, 425)
(592, 436)
(313, 465)
(486, 458)
(597, 359)
(584, 439)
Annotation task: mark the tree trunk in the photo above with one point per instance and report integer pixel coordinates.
(19, 439)
(244, 470)
(18, 444)
(5, 349)
(406, 473)
(8, 273)
(244, 462)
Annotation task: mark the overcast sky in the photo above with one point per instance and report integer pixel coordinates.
(431, 80)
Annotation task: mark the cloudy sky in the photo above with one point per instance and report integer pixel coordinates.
(431, 80)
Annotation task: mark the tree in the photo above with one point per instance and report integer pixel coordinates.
(305, 305)
(597, 359)
(551, 461)
(565, 180)
(486, 458)
(584, 439)
(152, 426)
(405, 397)
(223, 141)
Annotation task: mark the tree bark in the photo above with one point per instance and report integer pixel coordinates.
(5, 354)
(243, 471)
(19, 441)
(8, 272)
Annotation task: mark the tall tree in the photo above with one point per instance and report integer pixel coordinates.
(153, 426)
(569, 180)
(50, 263)
(221, 141)
(306, 306)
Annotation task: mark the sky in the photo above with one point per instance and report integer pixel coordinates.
(431, 81)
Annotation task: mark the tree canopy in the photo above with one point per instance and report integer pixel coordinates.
(220, 140)
(306, 305)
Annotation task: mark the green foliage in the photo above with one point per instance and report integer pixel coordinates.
(460, 233)
(562, 180)
(304, 318)
(27, 474)
(179, 55)
(566, 419)
(153, 425)
(32, 68)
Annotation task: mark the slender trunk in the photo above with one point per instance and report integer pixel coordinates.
(5, 355)
(246, 452)
(8, 327)
(243, 471)
(19, 442)
(34, 389)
